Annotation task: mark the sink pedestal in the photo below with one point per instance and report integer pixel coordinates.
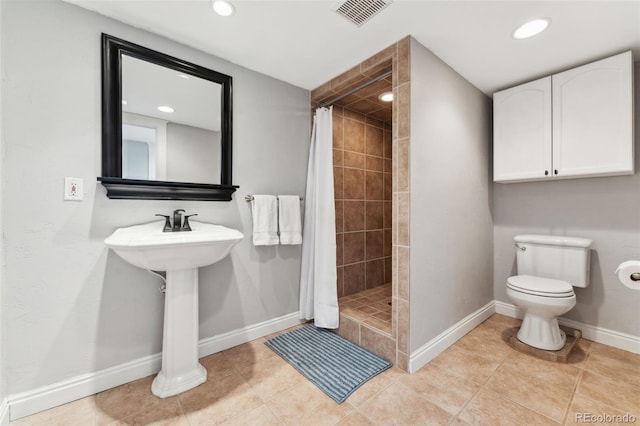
(180, 254)
(181, 370)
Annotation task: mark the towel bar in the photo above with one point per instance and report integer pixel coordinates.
(250, 198)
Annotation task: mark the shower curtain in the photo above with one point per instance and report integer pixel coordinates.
(318, 280)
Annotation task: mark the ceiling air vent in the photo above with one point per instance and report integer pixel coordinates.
(360, 11)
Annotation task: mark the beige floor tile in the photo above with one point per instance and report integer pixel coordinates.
(501, 322)
(261, 416)
(479, 379)
(81, 412)
(532, 393)
(556, 374)
(617, 394)
(167, 414)
(127, 400)
(466, 364)
(606, 363)
(397, 404)
(271, 376)
(615, 353)
(458, 422)
(444, 389)
(218, 365)
(249, 353)
(582, 409)
(487, 343)
(490, 409)
(370, 388)
(217, 401)
(305, 404)
(356, 419)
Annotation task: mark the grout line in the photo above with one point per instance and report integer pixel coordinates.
(573, 394)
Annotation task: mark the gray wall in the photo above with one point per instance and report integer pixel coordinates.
(73, 306)
(193, 154)
(451, 225)
(604, 209)
(3, 382)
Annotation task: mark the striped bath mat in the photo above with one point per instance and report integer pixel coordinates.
(332, 363)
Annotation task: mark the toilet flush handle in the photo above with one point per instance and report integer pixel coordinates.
(523, 248)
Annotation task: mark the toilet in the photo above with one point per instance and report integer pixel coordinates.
(549, 266)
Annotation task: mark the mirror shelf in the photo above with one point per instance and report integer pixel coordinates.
(137, 189)
(209, 182)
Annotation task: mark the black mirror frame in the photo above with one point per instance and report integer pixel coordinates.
(112, 50)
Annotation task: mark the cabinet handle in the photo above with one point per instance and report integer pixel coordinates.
(555, 172)
(546, 172)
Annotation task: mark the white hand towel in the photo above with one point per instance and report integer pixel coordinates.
(264, 209)
(289, 219)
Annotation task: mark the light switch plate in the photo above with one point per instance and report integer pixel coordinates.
(73, 189)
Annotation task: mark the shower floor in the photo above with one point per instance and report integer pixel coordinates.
(371, 307)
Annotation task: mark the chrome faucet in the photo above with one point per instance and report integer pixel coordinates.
(178, 225)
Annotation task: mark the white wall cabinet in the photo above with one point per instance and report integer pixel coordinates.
(578, 123)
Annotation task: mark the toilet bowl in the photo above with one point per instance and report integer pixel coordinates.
(543, 300)
(549, 266)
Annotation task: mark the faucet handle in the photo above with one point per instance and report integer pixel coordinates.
(177, 219)
(185, 225)
(167, 222)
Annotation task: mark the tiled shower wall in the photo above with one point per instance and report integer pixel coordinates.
(362, 176)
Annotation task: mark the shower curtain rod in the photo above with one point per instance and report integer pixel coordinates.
(362, 86)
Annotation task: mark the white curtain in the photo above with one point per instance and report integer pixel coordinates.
(318, 281)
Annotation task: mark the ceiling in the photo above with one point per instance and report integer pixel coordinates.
(306, 43)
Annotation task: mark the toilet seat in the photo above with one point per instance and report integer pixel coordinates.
(538, 286)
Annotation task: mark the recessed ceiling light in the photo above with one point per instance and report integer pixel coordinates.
(223, 7)
(165, 108)
(124, 102)
(386, 97)
(186, 77)
(531, 28)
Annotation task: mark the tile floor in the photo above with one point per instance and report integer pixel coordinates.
(478, 381)
(370, 306)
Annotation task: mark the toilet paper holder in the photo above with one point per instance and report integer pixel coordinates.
(635, 276)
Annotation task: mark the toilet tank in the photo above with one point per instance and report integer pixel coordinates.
(553, 256)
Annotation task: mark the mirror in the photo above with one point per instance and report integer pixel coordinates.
(166, 126)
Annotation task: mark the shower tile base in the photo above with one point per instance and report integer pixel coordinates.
(371, 307)
(365, 319)
(561, 355)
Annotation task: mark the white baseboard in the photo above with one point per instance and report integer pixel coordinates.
(212, 345)
(508, 309)
(437, 345)
(46, 397)
(602, 335)
(4, 412)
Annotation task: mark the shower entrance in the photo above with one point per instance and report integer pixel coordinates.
(363, 197)
(363, 147)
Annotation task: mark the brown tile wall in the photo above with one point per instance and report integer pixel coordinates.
(362, 178)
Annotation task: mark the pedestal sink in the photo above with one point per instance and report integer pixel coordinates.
(180, 254)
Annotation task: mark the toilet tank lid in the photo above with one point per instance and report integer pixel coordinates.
(554, 240)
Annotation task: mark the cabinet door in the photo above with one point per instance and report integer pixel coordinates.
(592, 119)
(522, 132)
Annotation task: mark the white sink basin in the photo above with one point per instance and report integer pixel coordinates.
(146, 246)
(180, 254)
